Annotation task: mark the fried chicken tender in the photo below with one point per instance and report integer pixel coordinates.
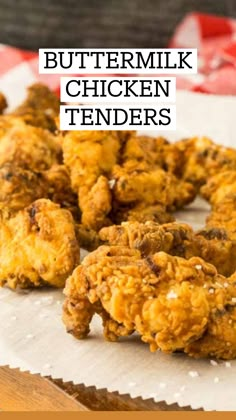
(203, 158)
(38, 246)
(220, 191)
(3, 103)
(59, 190)
(150, 237)
(19, 187)
(173, 303)
(140, 213)
(138, 183)
(154, 151)
(96, 204)
(88, 239)
(40, 107)
(223, 217)
(219, 340)
(217, 247)
(112, 187)
(124, 177)
(26, 146)
(220, 187)
(90, 156)
(179, 239)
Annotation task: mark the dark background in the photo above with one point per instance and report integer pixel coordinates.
(32, 24)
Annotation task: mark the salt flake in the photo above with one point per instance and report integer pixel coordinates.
(132, 384)
(47, 366)
(193, 373)
(112, 183)
(171, 295)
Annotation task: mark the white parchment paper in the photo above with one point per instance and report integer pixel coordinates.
(33, 338)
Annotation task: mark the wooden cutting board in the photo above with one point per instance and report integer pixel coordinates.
(22, 391)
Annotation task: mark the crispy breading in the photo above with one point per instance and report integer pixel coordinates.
(140, 213)
(89, 154)
(88, 239)
(217, 247)
(137, 183)
(19, 187)
(59, 190)
(38, 246)
(26, 146)
(155, 151)
(224, 217)
(219, 187)
(170, 301)
(203, 158)
(40, 107)
(150, 237)
(179, 239)
(130, 176)
(95, 204)
(220, 191)
(219, 339)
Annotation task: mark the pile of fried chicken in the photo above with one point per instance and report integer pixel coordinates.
(114, 193)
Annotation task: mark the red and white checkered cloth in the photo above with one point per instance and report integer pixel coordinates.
(215, 38)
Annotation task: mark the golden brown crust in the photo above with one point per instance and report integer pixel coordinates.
(19, 187)
(129, 176)
(59, 190)
(40, 107)
(179, 239)
(38, 246)
(203, 158)
(95, 204)
(138, 183)
(89, 154)
(171, 302)
(88, 239)
(149, 237)
(154, 151)
(26, 146)
(220, 191)
(218, 248)
(220, 187)
(140, 213)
